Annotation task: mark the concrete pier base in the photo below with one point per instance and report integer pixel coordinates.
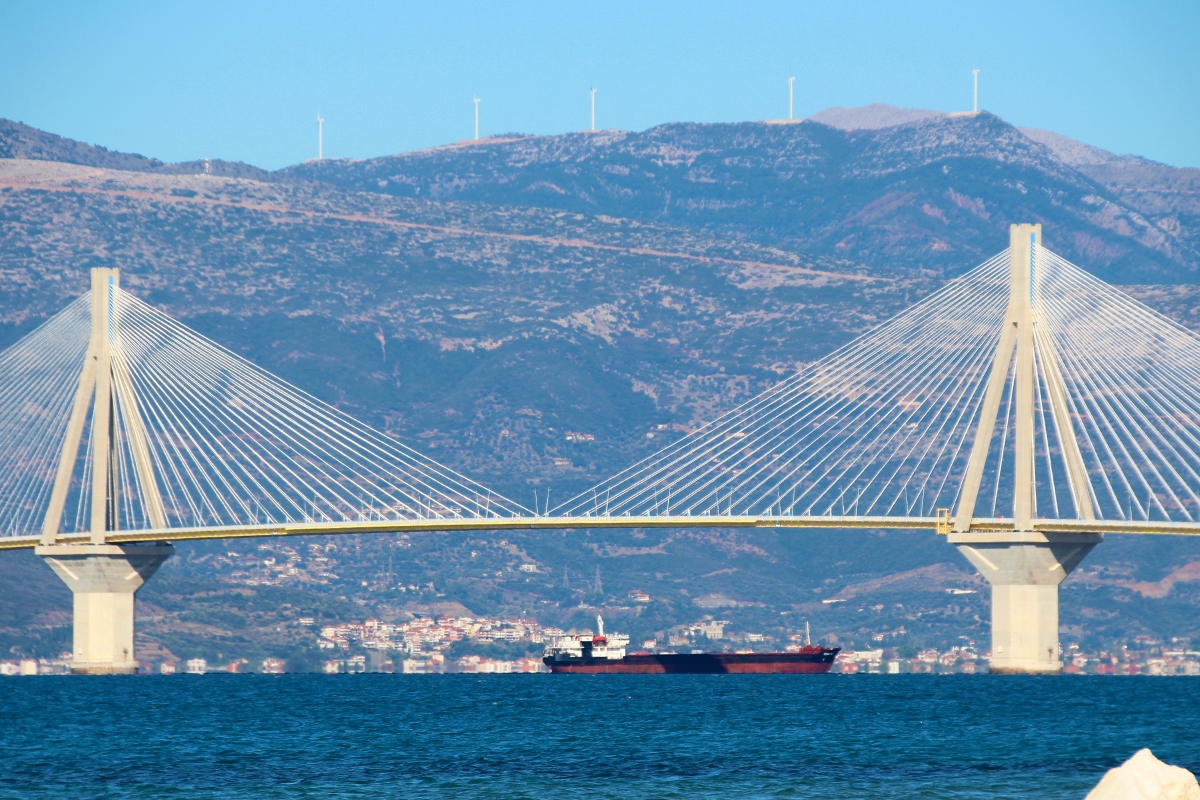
(1025, 569)
(103, 579)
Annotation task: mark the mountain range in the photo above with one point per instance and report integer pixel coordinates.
(488, 301)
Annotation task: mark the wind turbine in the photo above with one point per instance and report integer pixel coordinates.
(975, 74)
(320, 138)
(476, 119)
(593, 108)
(791, 81)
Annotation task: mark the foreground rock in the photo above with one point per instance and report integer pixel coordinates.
(1144, 777)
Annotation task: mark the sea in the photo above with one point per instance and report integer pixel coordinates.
(584, 736)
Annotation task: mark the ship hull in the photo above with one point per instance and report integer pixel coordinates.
(700, 663)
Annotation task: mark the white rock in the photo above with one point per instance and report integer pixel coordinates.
(1144, 777)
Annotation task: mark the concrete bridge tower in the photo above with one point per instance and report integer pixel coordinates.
(104, 577)
(1024, 566)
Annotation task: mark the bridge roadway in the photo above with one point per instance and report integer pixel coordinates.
(542, 523)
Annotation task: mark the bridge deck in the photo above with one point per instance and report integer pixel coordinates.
(534, 523)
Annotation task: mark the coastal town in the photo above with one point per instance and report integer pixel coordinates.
(444, 644)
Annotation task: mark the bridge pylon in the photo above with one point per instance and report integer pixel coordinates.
(1024, 566)
(103, 577)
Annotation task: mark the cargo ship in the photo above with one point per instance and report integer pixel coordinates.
(592, 654)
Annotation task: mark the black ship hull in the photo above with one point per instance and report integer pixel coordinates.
(809, 660)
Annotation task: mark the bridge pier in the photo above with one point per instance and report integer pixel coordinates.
(1025, 569)
(103, 579)
(1024, 566)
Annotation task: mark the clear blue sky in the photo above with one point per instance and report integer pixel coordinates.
(244, 80)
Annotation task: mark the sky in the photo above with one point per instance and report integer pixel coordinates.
(244, 81)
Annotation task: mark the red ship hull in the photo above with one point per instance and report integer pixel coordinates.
(810, 660)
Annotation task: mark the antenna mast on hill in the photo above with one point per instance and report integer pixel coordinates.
(207, 165)
(593, 108)
(791, 95)
(477, 119)
(975, 74)
(320, 138)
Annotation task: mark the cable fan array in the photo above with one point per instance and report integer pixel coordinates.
(1131, 378)
(38, 378)
(880, 427)
(230, 444)
(883, 427)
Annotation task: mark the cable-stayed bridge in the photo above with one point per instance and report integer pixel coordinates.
(1024, 410)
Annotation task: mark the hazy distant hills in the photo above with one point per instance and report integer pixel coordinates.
(18, 140)
(872, 117)
(480, 301)
(1170, 195)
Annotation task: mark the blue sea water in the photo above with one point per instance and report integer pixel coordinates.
(616, 736)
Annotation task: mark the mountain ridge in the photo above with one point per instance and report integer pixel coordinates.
(1141, 204)
(925, 194)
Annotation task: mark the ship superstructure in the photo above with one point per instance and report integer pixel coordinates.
(587, 646)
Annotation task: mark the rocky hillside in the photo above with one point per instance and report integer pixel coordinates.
(936, 193)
